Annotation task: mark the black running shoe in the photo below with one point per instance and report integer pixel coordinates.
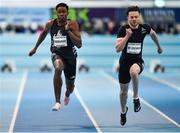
(137, 105)
(123, 117)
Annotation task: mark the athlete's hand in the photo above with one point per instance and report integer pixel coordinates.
(67, 26)
(32, 52)
(159, 50)
(128, 32)
(71, 25)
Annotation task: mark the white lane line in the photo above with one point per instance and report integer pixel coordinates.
(144, 101)
(16, 109)
(87, 110)
(163, 82)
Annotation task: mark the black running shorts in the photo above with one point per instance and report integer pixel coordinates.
(69, 65)
(124, 75)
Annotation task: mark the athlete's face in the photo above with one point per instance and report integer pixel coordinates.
(134, 18)
(62, 13)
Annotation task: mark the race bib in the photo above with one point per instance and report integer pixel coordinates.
(134, 48)
(59, 40)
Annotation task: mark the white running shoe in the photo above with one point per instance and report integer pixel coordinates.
(56, 106)
(66, 100)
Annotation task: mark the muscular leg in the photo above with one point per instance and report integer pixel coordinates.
(123, 96)
(69, 86)
(134, 72)
(58, 64)
(69, 90)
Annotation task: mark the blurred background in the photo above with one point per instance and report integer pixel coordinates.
(94, 17)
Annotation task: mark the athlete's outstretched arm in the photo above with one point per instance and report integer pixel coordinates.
(121, 42)
(74, 33)
(155, 39)
(42, 36)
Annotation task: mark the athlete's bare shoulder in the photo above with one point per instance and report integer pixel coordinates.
(49, 25)
(73, 22)
(50, 22)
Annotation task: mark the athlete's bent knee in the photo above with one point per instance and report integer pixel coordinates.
(133, 73)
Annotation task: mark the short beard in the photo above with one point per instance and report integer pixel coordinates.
(134, 25)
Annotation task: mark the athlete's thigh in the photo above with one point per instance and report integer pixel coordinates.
(57, 61)
(134, 69)
(137, 68)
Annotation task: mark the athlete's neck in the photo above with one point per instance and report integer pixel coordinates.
(61, 23)
(134, 27)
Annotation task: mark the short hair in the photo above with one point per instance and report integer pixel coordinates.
(62, 5)
(132, 8)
